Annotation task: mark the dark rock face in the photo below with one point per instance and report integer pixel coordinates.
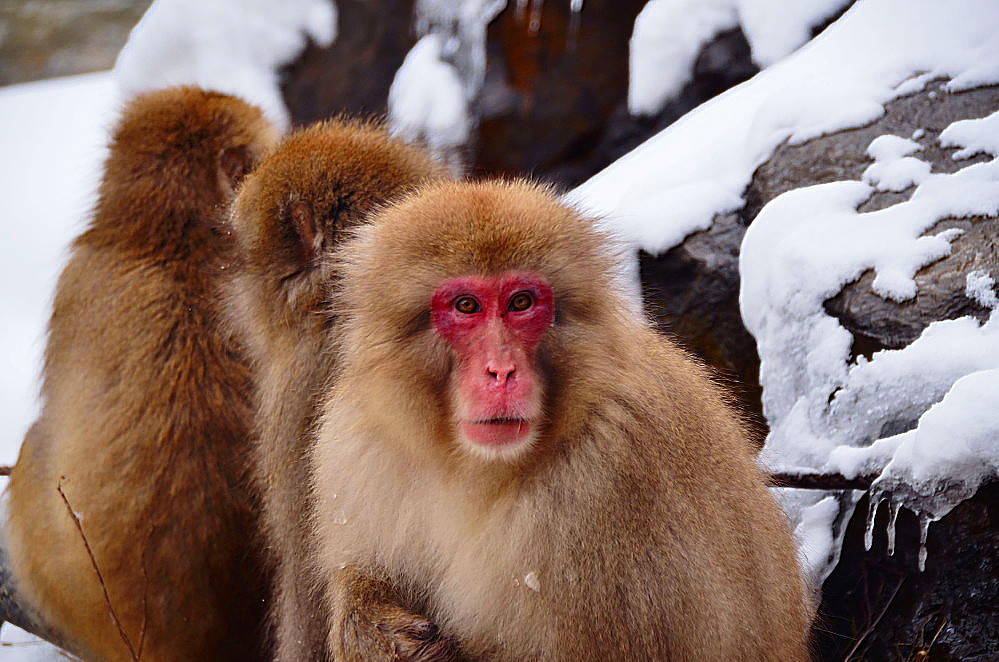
(880, 607)
(354, 74)
(693, 290)
(553, 103)
(694, 287)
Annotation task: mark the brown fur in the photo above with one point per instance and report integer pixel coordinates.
(639, 510)
(146, 405)
(292, 210)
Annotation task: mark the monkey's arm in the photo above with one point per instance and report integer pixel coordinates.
(369, 625)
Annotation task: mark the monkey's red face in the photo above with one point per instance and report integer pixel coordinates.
(493, 325)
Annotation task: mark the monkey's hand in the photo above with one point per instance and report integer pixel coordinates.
(372, 626)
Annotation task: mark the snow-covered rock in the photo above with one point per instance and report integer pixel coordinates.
(807, 244)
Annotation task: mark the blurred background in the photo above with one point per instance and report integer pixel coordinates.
(49, 38)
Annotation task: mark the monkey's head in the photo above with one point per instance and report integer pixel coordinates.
(465, 304)
(183, 149)
(294, 207)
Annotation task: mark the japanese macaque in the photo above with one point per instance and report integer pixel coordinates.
(141, 451)
(506, 449)
(290, 213)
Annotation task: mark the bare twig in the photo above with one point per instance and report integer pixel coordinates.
(870, 628)
(5, 469)
(145, 594)
(100, 576)
(820, 481)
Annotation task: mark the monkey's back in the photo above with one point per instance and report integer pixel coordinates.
(144, 425)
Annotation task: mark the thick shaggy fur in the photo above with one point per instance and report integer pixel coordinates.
(146, 405)
(637, 526)
(331, 175)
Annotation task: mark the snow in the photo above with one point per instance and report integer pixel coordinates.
(979, 285)
(667, 39)
(432, 92)
(893, 169)
(975, 136)
(48, 178)
(16, 645)
(814, 533)
(670, 34)
(427, 99)
(233, 46)
(800, 250)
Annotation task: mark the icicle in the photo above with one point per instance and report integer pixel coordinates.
(576, 7)
(894, 507)
(535, 24)
(872, 511)
(924, 529)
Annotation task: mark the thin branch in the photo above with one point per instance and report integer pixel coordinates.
(5, 469)
(100, 576)
(874, 623)
(820, 481)
(145, 595)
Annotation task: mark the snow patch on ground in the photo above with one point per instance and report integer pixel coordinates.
(233, 46)
(668, 37)
(16, 645)
(54, 137)
(980, 286)
(670, 34)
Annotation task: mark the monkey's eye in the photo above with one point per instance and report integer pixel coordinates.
(466, 305)
(520, 301)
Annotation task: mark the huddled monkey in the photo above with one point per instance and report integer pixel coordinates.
(291, 212)
(141, 450)
(506, 449)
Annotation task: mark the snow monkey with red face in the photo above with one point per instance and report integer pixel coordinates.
(508, 450)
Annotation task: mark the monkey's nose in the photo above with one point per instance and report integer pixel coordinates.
(500, 372)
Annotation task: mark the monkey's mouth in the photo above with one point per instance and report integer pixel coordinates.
(498, 431)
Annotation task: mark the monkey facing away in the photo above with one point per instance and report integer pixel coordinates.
(144, 429)
(509, 451)
(290, 212)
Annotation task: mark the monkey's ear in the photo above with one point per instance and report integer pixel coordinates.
(310, 237)
(235, 163)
